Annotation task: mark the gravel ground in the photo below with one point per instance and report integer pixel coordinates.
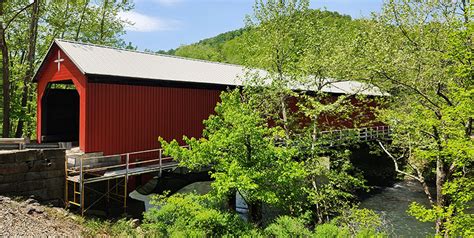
(30, 219)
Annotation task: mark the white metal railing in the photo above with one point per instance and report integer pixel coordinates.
(362, 134)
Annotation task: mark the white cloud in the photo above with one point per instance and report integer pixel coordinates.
(167, 3)
(143, 23)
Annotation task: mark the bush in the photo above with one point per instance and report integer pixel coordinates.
(330, 231)
(361, 223)
(286, 226)
(191, 215)
(120, 228)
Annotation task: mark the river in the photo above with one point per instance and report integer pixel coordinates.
(392, 203)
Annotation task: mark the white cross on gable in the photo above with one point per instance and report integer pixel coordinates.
(59, 60)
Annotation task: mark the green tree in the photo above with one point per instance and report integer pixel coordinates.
(421, 52)
(244, 157)
(264, 140)
(302, 49)
(29, 29)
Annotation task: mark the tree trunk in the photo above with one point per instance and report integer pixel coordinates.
(66, 18)
(33, 32)
(231, 200)
(5, 76)
(440, 197)
(102, 21)
(81, 20)
(255, 213)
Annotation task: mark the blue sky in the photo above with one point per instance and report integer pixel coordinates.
(166, 24)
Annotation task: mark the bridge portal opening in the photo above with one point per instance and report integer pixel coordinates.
(60, 113)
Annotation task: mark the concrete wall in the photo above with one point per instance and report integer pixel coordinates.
(33, 172)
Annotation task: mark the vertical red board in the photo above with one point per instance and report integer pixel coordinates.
(127, 118)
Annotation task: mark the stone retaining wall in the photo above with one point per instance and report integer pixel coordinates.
(33, 172)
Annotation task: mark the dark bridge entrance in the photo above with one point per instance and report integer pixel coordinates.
(60, 117)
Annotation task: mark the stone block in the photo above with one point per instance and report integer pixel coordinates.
(54, 174)
(51, 154)
(11, 178)
(57, 182)
(54, 194)
(24, 156)
(29, 185)
(7, 158)
(34, 176)
(8, 188)
(33, 172)
(13, 168)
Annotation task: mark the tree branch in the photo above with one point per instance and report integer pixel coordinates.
(384, 74)
(439, 93)
(16, 15)
(418, 178)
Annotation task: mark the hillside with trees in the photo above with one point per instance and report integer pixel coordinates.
(229, 47)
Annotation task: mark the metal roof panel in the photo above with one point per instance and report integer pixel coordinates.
(107, 61)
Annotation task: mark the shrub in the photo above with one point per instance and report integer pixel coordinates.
(330, 231)
(361, 223)
(286, 226)
(191, 215)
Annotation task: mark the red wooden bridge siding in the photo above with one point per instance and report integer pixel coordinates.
(116, 118)
(120, 118)
(68, 71)
(126, 118)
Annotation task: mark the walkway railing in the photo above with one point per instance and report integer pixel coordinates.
(117, 168)
(361, 134)
(346, 136)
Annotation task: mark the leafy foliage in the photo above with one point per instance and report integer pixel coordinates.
(192, 215)
(264, 140)
(286, 226)
(243, 154)
(421, 52)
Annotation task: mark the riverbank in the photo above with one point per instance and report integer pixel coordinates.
(28, 218)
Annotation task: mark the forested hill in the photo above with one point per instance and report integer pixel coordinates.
(212, 49)
(225, 46)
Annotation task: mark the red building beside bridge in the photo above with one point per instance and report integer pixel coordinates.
(116, 101)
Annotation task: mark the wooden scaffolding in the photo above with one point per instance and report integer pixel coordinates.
(115, 170)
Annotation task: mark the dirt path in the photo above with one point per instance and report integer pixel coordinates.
(29, 218)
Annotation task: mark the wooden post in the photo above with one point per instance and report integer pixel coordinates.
(159, 157)
(127, 160)
(66, 190)
(108, 191)
(83, 192)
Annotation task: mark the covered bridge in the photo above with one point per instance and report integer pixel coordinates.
(116, 101)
